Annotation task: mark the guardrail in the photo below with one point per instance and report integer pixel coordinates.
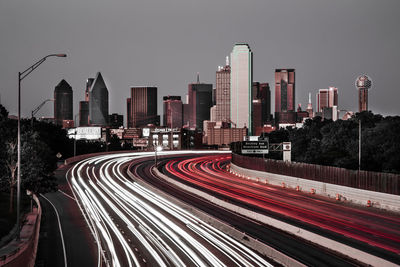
(22, 252)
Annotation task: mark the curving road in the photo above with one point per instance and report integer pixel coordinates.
(133, 226)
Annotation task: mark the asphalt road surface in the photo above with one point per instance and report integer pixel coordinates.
(80, 249)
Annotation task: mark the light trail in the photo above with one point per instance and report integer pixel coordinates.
(132, 224)
(376, 229)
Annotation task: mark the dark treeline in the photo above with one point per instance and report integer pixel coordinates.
(335, 143)
(41, 143)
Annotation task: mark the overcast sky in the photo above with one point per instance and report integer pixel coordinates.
(164, 43)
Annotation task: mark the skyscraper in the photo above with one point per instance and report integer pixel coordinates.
(262, 92)
(327, 98)
(284, 90)
(63, 102)
(222, 93)
(143, 106)
(241, 86)
(98, 102)
(173, 111)
(327, 102)
(84, 105)
(363, 84)
(285, 96)
(128, 112)
(200, 102)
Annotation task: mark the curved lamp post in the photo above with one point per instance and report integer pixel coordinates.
(21, 76)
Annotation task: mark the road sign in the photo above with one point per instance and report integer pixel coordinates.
(255, 147)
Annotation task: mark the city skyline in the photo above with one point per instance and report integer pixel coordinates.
(323, 47)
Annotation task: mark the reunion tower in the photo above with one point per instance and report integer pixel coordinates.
(363, 83)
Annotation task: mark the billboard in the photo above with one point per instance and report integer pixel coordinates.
(86, 133)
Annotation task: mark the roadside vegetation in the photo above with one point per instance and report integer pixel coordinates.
(335, 143)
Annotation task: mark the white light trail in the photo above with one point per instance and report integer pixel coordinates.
(164, 231)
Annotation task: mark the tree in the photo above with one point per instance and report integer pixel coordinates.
(38, 161)
(11, 163)
(37, 165)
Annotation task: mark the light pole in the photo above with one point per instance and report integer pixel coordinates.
(157, 149)
(33, 112)
(21, 76)
(75, 133)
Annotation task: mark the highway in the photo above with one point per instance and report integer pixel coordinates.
(133, 226)
(302, 251)
(369, 230)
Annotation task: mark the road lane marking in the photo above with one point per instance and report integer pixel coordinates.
(62, 192)
(59, 226)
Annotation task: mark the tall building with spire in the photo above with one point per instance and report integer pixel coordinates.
(310, 107)
(98, 102)
(241, 86)
(63, 97)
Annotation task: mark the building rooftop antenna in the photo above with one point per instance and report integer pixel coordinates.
(198, 77)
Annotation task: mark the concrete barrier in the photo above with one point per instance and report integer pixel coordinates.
(343, 249)
(22, 252)
(342, 193)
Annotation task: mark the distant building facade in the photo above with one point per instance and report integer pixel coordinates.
(63, 99)
(173, 111)
(327, 102)
(327, 98)
(241, 86)
(285, 96)
(143, 107)
(222, 93)
(200, 102)
(261, 97)
(128, 112)
(284, 90)
(84, 105)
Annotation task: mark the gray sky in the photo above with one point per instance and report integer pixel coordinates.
(164, 43)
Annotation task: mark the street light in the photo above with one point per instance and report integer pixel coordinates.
(76, 129)
(157, 149)
(21, 76)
